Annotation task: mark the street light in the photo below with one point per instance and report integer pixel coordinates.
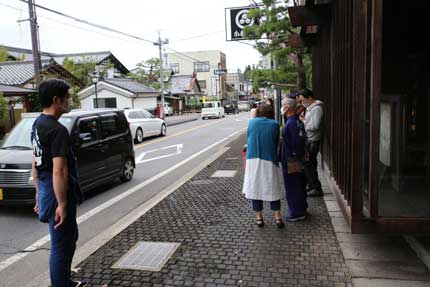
(95, 78)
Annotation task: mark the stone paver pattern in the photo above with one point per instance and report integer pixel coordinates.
(220, 242)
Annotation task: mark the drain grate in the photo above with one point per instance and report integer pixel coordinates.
(147, 256)
(224, 173)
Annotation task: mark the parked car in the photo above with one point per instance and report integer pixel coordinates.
(212, 110)
(143, 124)
(244, 106)
(168, 110)
(230, 106)
(100, 139)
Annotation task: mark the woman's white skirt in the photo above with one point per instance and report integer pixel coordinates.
(263, 180)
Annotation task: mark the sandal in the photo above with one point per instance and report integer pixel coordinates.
(279, 223)
(260, 222)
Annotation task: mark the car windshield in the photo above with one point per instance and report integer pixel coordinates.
(208, 105)
(20, 136)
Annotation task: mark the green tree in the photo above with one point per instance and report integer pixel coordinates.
(3, 54)
(293, 64)
(80, 70)
(148, 73)
(3, 106)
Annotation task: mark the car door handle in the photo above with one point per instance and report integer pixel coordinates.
(102, 147)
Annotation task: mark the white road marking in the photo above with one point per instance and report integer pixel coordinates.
(140, 158)
(84, 217)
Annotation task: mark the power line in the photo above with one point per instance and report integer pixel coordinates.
(89, 23)
(102, 27)
(74, 26)
(200, 36)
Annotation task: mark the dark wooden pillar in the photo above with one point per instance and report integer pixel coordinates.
(375, 98)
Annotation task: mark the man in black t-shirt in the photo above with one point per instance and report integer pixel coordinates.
(56, 179)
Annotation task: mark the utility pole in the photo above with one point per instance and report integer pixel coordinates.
(160, 44)
(34, 42)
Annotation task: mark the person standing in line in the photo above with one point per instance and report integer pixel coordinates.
(56, 179)
(292, 154)
(313, 125)
(254, 110)
(263, 178)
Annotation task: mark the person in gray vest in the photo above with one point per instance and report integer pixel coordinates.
(313, 125)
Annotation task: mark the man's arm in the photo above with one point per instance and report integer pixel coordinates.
(34, 175)
(315, 119)
(60, 177)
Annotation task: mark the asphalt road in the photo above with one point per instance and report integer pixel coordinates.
(161, 161)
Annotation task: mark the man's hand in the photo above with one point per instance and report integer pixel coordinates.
(60, 216)
(36, 206)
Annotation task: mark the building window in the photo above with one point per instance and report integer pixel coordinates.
(175, 67)
(202, 84)
(201, 66)
(105, 103)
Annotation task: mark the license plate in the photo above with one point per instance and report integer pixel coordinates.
(1, 194)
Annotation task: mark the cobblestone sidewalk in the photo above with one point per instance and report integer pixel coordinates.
(220, 242)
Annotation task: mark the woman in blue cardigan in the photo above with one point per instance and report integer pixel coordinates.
(263, 178)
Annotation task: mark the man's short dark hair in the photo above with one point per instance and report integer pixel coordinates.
(265, 110)
(306, 93)
(50, 88)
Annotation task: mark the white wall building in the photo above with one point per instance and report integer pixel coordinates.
(119, 93)
(203, 63)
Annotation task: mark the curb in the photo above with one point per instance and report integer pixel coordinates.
(419, 249)
(180, 122)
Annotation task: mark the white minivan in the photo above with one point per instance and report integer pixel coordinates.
(212, 110)
(168, 110)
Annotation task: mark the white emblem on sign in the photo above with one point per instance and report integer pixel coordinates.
(242, 19)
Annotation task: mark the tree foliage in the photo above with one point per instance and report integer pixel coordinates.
(148, 73)
(80, 70)
(293, 65)
(3, 106)
(3, 54)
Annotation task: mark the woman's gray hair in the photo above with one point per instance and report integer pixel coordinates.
(289, 102)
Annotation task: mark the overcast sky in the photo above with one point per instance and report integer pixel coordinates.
(190, 25)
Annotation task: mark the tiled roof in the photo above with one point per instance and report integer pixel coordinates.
(96, 57)
(15, 90)
(17, 73)
(131, 86)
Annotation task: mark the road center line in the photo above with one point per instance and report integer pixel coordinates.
(179, 133)
(84, 217)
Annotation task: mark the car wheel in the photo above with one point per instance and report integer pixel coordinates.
(127, 170)
(139, 136)
(163, 131)
(203, 118)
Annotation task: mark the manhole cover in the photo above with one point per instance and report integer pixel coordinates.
(201, 181)
(147, 256)
(224, 173)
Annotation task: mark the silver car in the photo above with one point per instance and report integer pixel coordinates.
(143, 124)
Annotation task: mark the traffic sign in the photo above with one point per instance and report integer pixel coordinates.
(220, 72)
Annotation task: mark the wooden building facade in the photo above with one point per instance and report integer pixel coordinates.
(371, 68)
